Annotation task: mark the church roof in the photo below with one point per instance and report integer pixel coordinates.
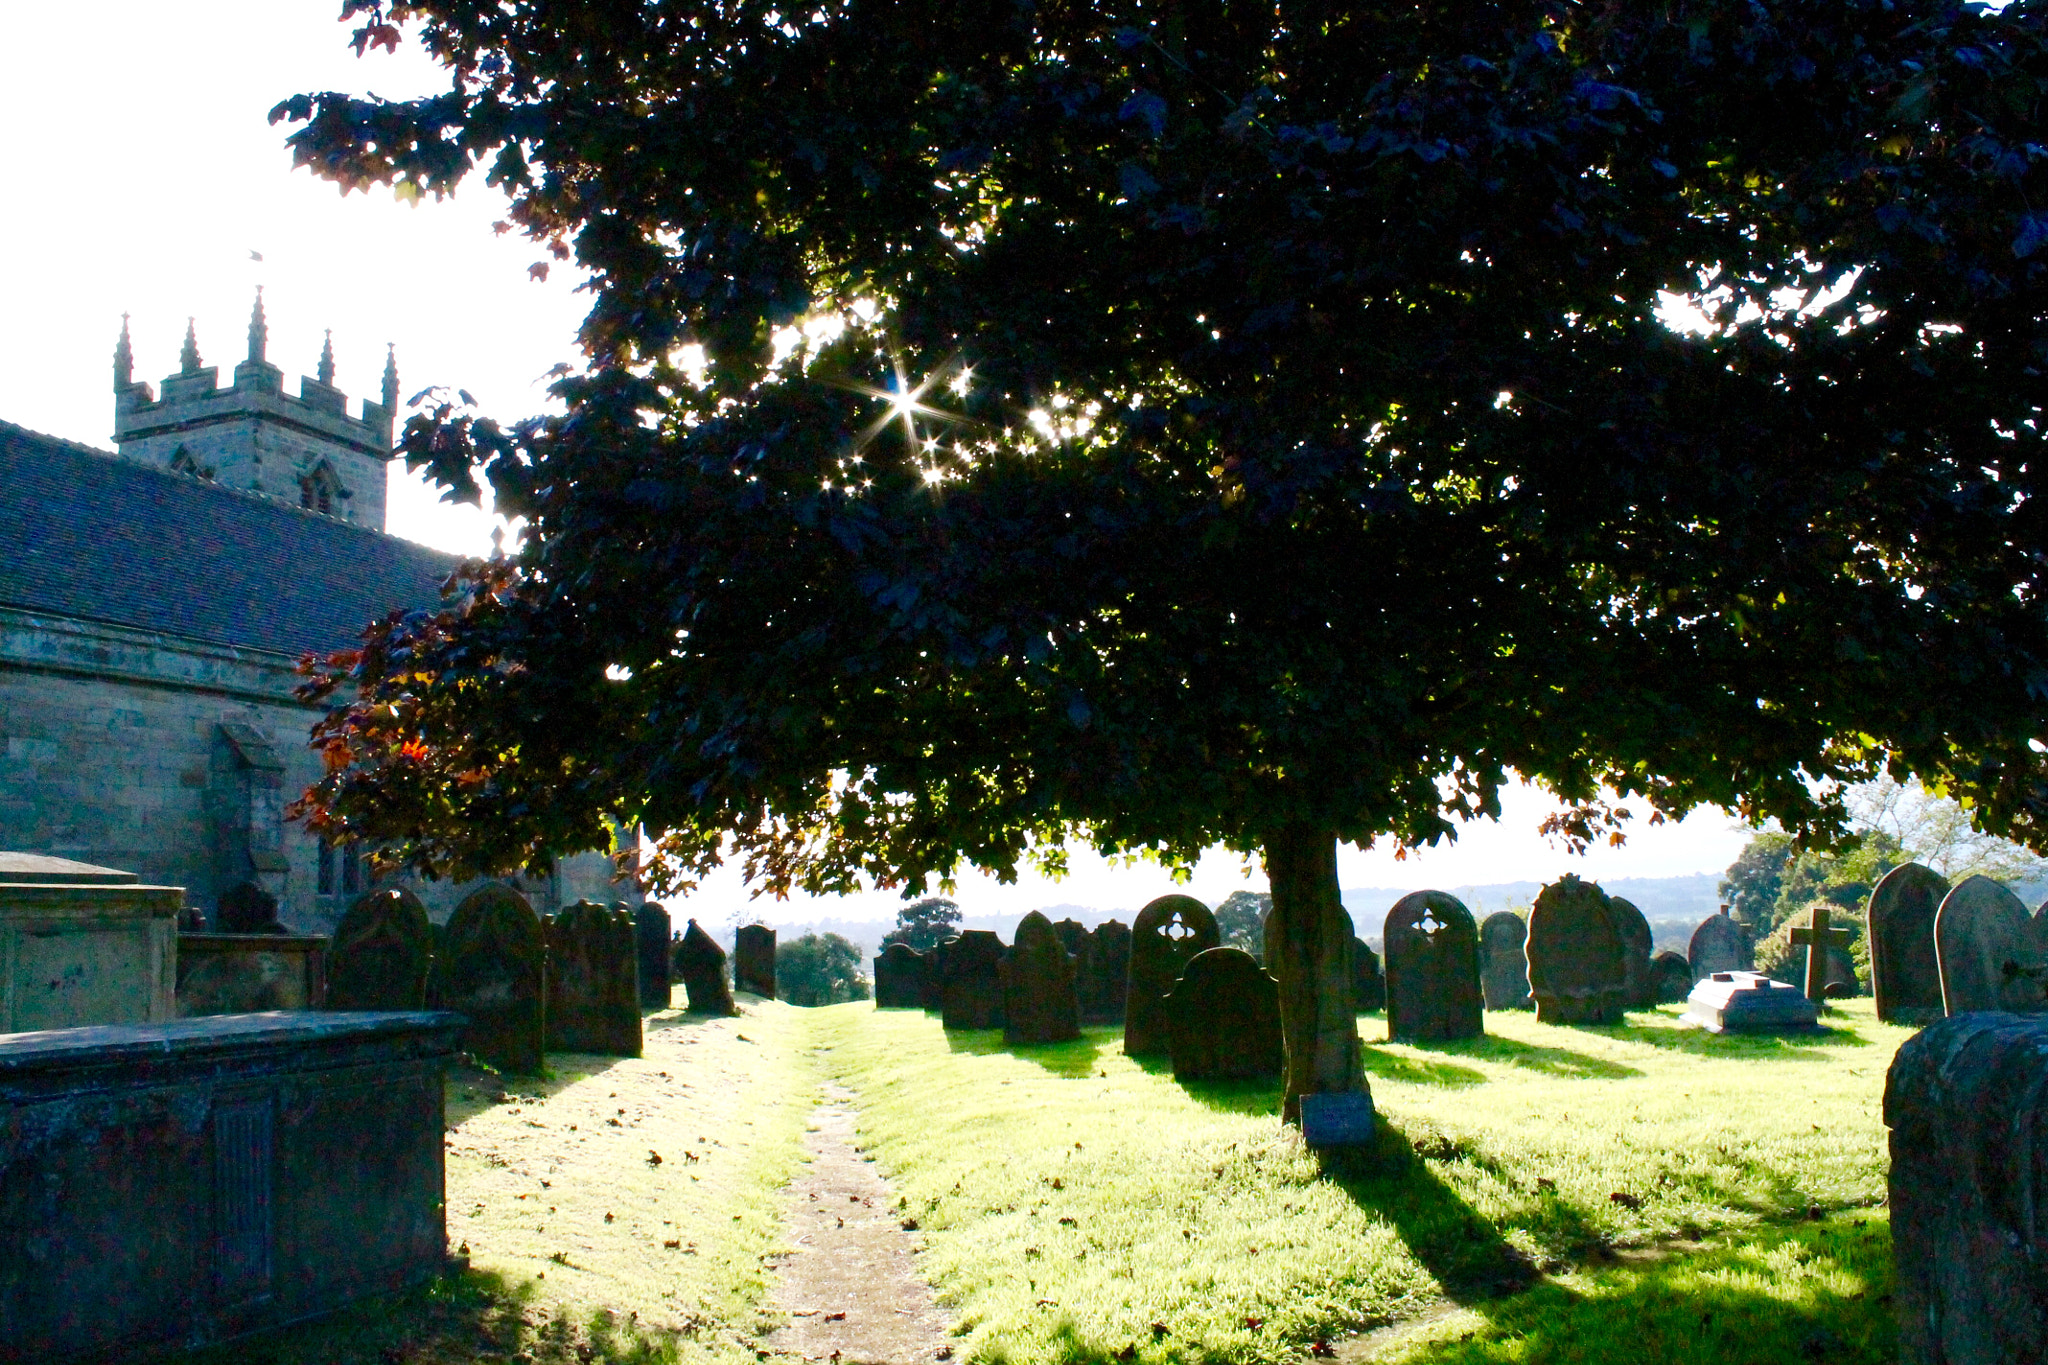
(86, 534)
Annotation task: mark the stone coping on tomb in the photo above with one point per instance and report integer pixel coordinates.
(211, 1046)
(38, 869)
(89, 901)
(278, 943)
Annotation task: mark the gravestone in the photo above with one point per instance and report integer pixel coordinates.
(933, 992)
(700, 964)
(1719, 944)
(1578, 955)
(1039, 1003)
(1967, 1103)
(1983, 945)
(1821, 944)
(1223, 1019)
(973, 988)
(1080, 946)
(899, 978)
(1744, 1002)
(381, 954)
(246, 908)
(651, 930)
(753, 960)
(495, 976)
(1904, 975)
(1503, 966)
(1368, 986)
(250, 973)
(1168, 934)
(593, 981)
(1674, 977)
(1109, 949)
(1635, 932)
(1433, 990)
(1337, 1120)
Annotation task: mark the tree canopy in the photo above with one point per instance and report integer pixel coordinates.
(1173, 424)
(819, 969)
(924, 924)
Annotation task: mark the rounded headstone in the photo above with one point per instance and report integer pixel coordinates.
(1503, 965)
(1168, 934)
(899, 978)
(700, 964)
(246, 908)
(1039, 1003)
(1110, 948)
(651, 929)
(1368, 986)
(1433, 990)
(972, 995)
(1984, 948)
(1080, 946)
(593, 981)
(1674, 977)
(380, 954)
(1635, 931)
(1719, 944)
(1578, 955)
(933, 993)
(1904, 975)
(495, 974)
(753, 960)
(1223, 1019)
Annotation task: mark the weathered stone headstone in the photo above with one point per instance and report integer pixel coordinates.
(1368, 986)
(1635, 932)
(593, 981)
(651, 929)
(1223, 1019)
(1039, 1003)
(381, 954)
(1503, 966)
(899, 978)
(1080, 946)
(1110, 948)
(1719, 944)
(246, 908)
(973, 987)
(1578, 955)
(1984, 947)
(1904, 975)
(1967, 1103)
(1433, 990)
(495, 975)
(933, 995)
(1168, 934)
(700, 964)
(1674, 977)
(1744, 1002)
(753, 960)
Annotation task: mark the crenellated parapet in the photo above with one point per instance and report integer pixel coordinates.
(304, 449)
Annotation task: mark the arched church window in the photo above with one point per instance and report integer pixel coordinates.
(340, 870)
(320, 489)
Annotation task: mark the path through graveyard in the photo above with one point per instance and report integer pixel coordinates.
(850, 1283)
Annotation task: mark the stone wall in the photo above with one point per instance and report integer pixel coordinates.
(174, 760)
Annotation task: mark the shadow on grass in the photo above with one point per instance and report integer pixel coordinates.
(1392, 1066)
(1560, 1062)
(464, 1316)
(1668, 1034)
(471, 1090)
(1073, 1060)
(1463, 1251)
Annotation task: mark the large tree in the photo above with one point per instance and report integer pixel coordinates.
(1171, 424)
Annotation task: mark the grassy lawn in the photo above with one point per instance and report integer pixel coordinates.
(1638, 1192)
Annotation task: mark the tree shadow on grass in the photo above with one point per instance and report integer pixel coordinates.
(1560, 1062)
(1073, 1060)
(466, 1315)
(472, 1090)
(1674, 1037)
(1393, 1066)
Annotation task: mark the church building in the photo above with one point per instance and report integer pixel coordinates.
(154, 601)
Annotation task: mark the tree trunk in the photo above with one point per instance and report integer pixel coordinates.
(1308, 951)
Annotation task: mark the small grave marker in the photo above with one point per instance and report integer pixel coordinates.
(1816, 937)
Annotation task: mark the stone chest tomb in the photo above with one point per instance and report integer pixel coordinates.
(177, 1183)
(83, 945)
(1744, 1002)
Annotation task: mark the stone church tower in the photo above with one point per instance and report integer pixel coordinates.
(253, 436)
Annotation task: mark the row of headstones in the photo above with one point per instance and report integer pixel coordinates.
(575, 981)
(1937, 949)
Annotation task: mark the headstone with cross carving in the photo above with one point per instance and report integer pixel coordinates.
(1578, 955)
(1168, 934)
(1817, 938)
(1433, 988)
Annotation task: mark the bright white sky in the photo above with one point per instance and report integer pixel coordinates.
(141, 174)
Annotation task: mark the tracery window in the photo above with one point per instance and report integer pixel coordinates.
(319, 489)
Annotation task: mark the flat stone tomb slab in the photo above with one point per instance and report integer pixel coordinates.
(1746, 1002)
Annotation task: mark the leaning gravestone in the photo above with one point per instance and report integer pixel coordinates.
(1967, 1103)
(1984, 947)
(593, 981)
(753, 960)
(1503, 966)
(1674, 977)
(1635, 932)
(700, 962)
(1223, 1019)
(1110, 950)
(1080, 946)
(1433, 990)
(1039, 1004)
(972, 995)
(246, 908)
(380, 954)
(899, 978)
(495, 975)
(1719, 944)
(933, 995)
(1904, 975)
(651, 929)
(1368, 986)
(1168, 934)
(1578, 955)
